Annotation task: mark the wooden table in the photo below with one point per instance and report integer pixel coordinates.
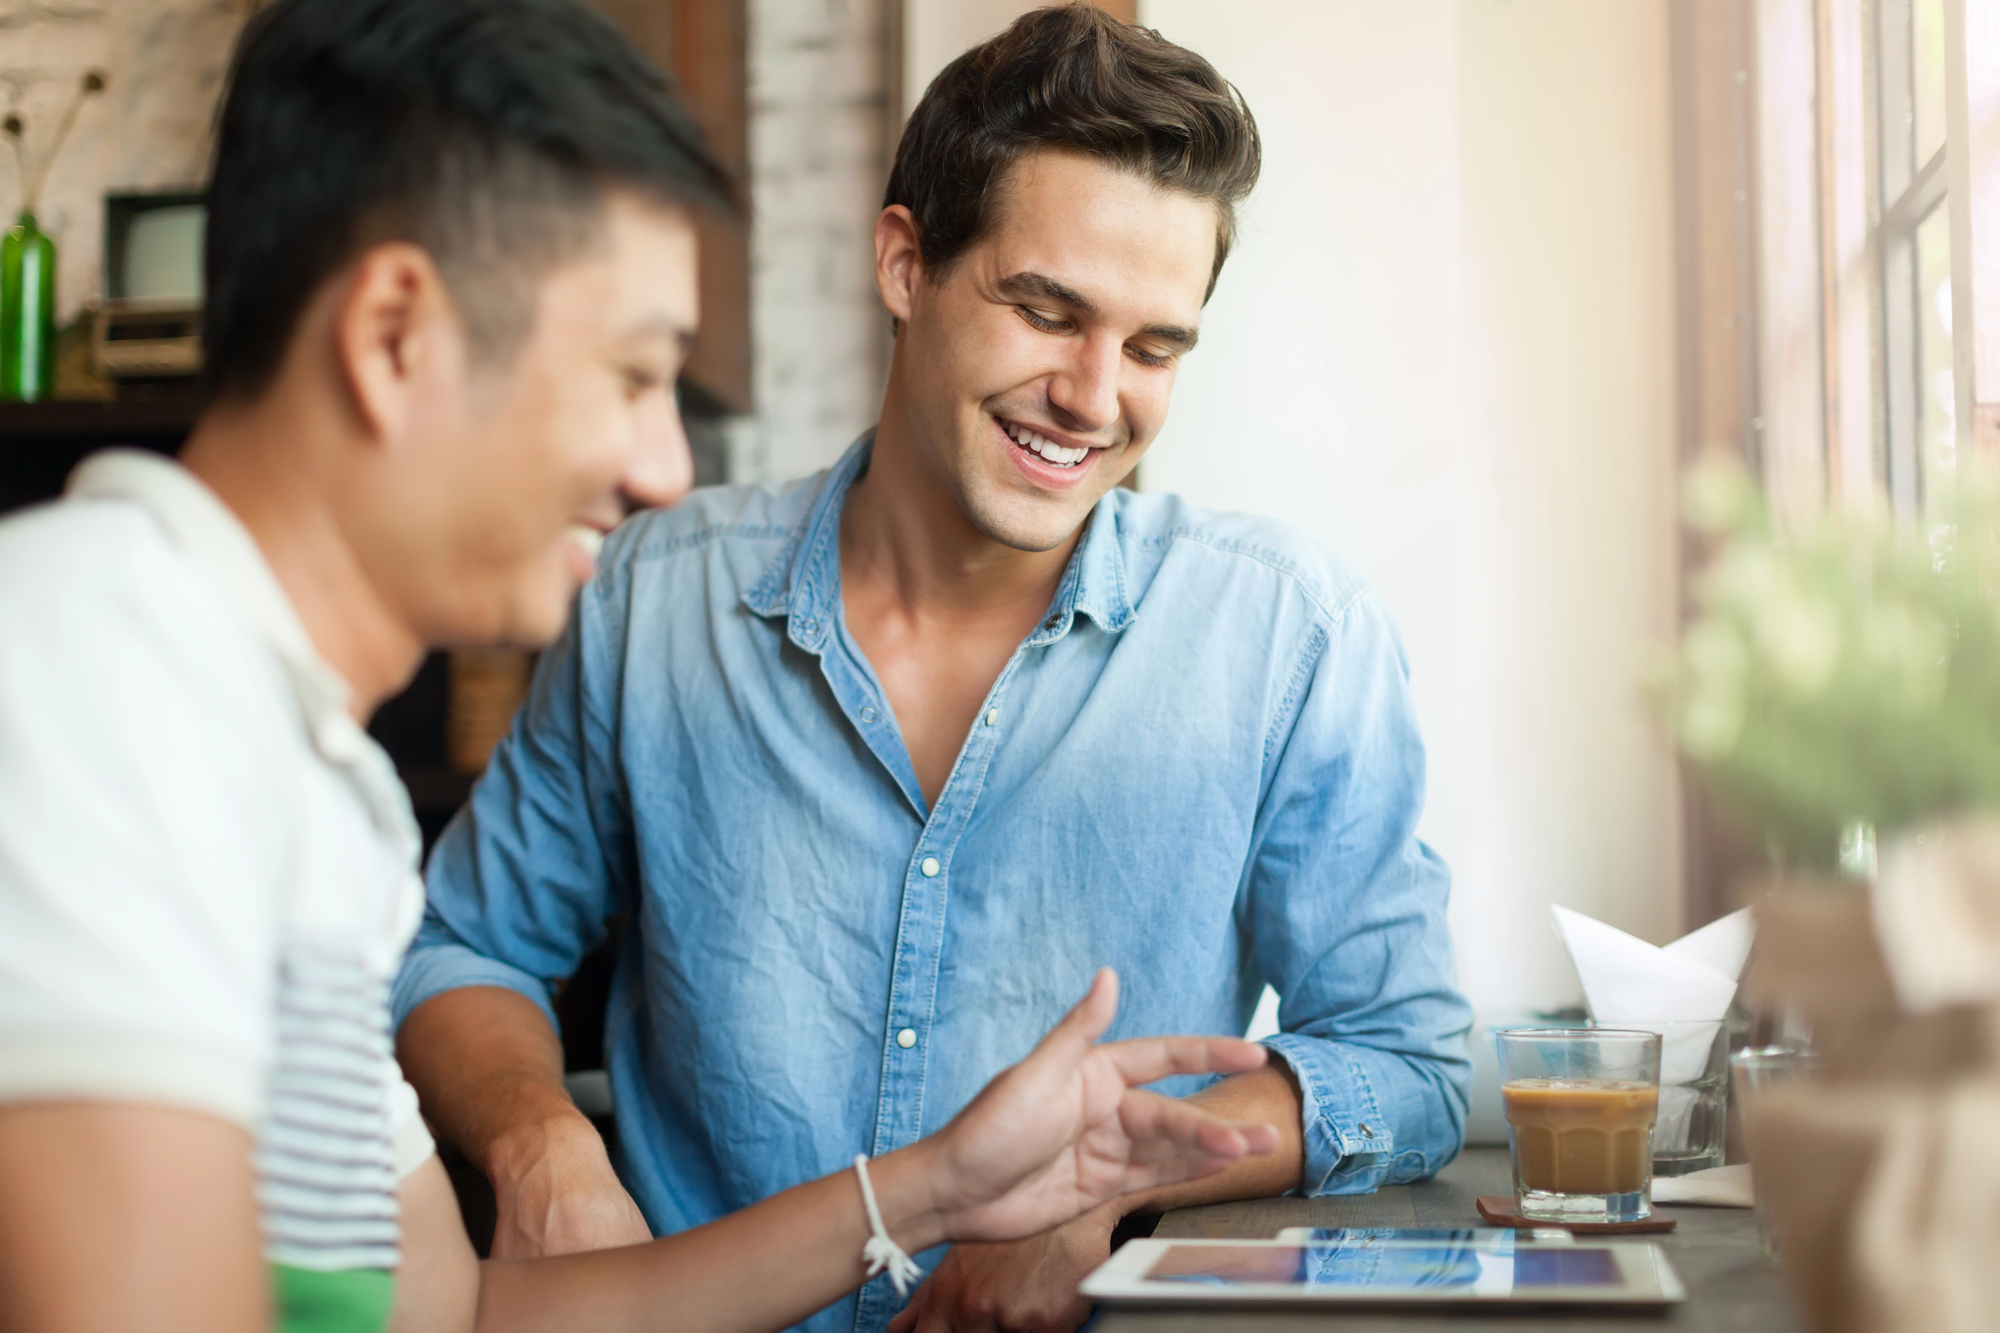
(1714, 1249)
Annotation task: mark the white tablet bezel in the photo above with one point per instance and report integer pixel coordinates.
(1649, 1281)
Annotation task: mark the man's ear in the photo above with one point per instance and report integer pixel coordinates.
(398, 335)
(899, 260)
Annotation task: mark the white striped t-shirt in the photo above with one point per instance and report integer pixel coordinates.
(207, 868)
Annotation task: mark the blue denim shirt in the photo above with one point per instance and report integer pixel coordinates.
(1201, 768)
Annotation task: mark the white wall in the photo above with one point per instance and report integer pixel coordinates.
(937, 32)
(1444, 346)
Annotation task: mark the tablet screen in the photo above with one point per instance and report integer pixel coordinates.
(1482, 1269)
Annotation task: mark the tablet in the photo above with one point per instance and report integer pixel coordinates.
(1476, 1266)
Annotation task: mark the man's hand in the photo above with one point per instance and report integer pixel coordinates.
(1068, 1128)
(488, 1069)
(557, 1194)
(1032, 1284)
(1022, 1286)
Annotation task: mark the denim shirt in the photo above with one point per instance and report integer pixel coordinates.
(1202, 767)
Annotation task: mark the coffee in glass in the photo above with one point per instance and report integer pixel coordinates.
(1581, 1105)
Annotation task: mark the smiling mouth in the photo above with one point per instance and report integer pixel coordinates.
(589, 538)
(1055, 455)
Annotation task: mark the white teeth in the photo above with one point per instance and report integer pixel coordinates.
(590, 539)
(1042, 445)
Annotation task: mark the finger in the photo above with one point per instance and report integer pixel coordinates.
(1164, 1127)
(1254, 1141)
(1151, 1175)
(906, 1318)
(1088, 1021)
(1145, 1059)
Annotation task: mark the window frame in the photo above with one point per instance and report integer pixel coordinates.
(1783, 246)
(1836, 415)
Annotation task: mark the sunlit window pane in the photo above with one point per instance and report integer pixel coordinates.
(1937, 424)
(1927, 53)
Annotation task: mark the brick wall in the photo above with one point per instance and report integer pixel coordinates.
(819, 110)
(148, 130)
(818, 161)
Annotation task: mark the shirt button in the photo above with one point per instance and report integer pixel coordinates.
(930, 867)
(906, 1038)
(992, 716)
(1367, 1131)
(867, 715)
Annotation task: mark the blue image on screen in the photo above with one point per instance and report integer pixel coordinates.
(1357, 1259)
(1487, 1267)
(1565, 1268)
(1487, 1236)
(1403, 1266)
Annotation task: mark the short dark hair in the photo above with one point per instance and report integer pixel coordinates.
(1072, 78)
(485, 131)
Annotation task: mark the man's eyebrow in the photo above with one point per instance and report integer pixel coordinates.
(1176, 337)
(660, 326)
(1040, 284)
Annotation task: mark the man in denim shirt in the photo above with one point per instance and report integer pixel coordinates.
(878, 766)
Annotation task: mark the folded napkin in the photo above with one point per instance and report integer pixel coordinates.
(1717, 1187)
(1627, 980)
(1681, 990)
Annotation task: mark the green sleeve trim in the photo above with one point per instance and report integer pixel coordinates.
(352, 1300)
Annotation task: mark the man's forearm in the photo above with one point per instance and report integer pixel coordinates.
(487, 1067)
(1267, 1096)
(127, 1215)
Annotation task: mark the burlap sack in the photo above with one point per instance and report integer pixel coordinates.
(1881, 1177)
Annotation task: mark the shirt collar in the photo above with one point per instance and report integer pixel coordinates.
(215, 541)
(803, 582)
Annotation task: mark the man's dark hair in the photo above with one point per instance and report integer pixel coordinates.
(486, 131)
(1075, 79)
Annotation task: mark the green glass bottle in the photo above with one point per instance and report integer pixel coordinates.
(27, 313)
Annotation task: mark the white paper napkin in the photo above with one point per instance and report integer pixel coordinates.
(1628, 980)
(1681, 990)
(1717, 1187)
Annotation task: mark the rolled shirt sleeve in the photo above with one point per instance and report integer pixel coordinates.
(1347, 911)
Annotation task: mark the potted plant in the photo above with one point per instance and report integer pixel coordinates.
(1840, 684)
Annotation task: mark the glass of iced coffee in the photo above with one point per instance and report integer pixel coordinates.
(1581, 1104)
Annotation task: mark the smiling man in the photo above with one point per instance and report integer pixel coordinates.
(877, 765)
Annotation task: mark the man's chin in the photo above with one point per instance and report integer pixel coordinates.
(541, 622)
(1029, 527)
(532, 619)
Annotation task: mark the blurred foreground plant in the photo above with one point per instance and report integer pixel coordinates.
(1850, 672)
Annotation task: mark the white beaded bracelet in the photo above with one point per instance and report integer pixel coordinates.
(882, 1253)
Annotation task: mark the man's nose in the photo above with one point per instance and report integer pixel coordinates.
(660, 472)
(1086, 389)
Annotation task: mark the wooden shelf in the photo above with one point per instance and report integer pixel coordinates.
(145, 417)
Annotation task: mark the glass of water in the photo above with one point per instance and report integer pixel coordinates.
(1693, 1128)
(1755, 1071)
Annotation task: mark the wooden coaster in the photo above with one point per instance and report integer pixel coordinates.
(1499, 1210)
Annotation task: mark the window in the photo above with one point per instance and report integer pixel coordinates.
(1839, 309)
(1870, 134)
(1914, 246)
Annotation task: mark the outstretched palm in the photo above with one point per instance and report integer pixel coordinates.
(1067, 1128)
